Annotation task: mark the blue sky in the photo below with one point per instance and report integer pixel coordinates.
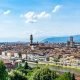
(42, 18)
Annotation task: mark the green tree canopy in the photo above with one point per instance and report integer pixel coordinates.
(26, 66)
(66, 76)
(73, 77)
(3, 72)
(17, 75)
(44, 74)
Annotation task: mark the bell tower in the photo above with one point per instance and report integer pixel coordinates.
(31, 39)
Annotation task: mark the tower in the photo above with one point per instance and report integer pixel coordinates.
(71, 42)
(31, 39)
(71, 39)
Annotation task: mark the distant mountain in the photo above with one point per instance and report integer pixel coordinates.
(63, 39)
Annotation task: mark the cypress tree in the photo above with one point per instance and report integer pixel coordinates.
(73, 77)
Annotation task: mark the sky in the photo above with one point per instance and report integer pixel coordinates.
(42, 18)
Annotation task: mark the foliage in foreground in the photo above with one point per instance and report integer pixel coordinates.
(27, 73)
(3, 72)
(44, 74)
(66, 76)
(17, 75)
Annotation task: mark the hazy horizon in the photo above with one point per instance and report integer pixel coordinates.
(39, 39)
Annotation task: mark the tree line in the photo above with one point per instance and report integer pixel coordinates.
(27, 73)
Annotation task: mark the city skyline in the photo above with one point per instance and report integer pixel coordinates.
(42, 18)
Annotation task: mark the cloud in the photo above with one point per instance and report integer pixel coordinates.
(6, 12)
(43, 15)
(56, 8)
(32, 17)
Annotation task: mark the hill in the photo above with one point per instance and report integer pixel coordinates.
(63, 39)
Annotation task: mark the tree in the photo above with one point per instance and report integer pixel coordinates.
(73, 77)
(69, 76)
(17, 75)
(24, 69)
(56, 59)
(20, 55)
(26, 66)
(66, 76)
(3, 72)
(44, 74)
